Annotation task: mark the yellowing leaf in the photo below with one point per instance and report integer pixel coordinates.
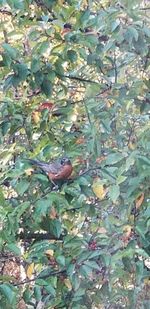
(68, 284)
(131, 146)
(80, 140)
(30, 270)
(139, 201)
(127, 229)
(98, 189)
(100, 159)
(102, 230)
(29, 171)
(127, 233)
(147, 281)
(49, 252)
(53, 213)
(36, 117)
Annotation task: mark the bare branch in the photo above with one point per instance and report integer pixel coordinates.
(38, 236)
(80, 79)
(53, 273)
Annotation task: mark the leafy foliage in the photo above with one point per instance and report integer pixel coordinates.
(84, 244)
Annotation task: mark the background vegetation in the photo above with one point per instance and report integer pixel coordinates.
(85, 244)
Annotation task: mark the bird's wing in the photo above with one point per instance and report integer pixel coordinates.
(54, 168)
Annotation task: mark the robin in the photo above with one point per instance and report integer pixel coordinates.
(57, 170)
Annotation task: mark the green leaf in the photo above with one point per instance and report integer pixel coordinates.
(75, 281)
(20, 70)
(72, 56)
(8, 83)
(5, 278)
(42, 48)
(73, 189)
(46, 87)
(115, 25)
(18, 211)
(27, 294)
(56, 228)
(61, 260)
(70, 270)
(14, 248)
(84, 17)
(114, 158)
(90, 40)
(82, 181)
(134, 32)
(39, 77)
(92, 264)
(22, 187)
(114, 192)
(8, 292)
(141, 46)
(79, 292)
(2, 198)
(11, 51)
(49, 288)
(53, 226)
(142, 253)
(109, 45)
(92, 90)
(86, 271)
(121, 179)
(144, 160)
(42, 207)
(37, 293)
(20, 73)
(5, 126)
(35, 65)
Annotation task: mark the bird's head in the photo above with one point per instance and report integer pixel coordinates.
(65, 161)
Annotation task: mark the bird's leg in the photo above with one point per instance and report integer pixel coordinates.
(55, 186)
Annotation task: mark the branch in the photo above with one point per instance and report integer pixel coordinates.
(89, 170)
(53, 273)
(34, 93)
(102, 92)
(80, 79)
(38, 236)
(5, 36)
(4, 11)
(115, 68)
(94, 169)
(144, 9)
(73, 208)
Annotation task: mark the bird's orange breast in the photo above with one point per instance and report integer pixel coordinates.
(64, 172)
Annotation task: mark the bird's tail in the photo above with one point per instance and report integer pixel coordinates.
(33, 162)
(42, 165)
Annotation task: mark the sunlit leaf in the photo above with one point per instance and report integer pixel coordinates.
(114, 192)
(98, 189)
(139, 201)
(68, 284)
(30, 270)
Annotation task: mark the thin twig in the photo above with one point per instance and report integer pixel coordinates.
(115, 68)
(145, 9)
(38, 236)
(94, 169)
(34, 93)
(53, 273)
(80, 79)
(5, 36)
(4, 11)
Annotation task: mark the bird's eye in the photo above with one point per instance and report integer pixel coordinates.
(64, 160)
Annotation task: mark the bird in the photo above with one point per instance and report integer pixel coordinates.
(56, 170)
